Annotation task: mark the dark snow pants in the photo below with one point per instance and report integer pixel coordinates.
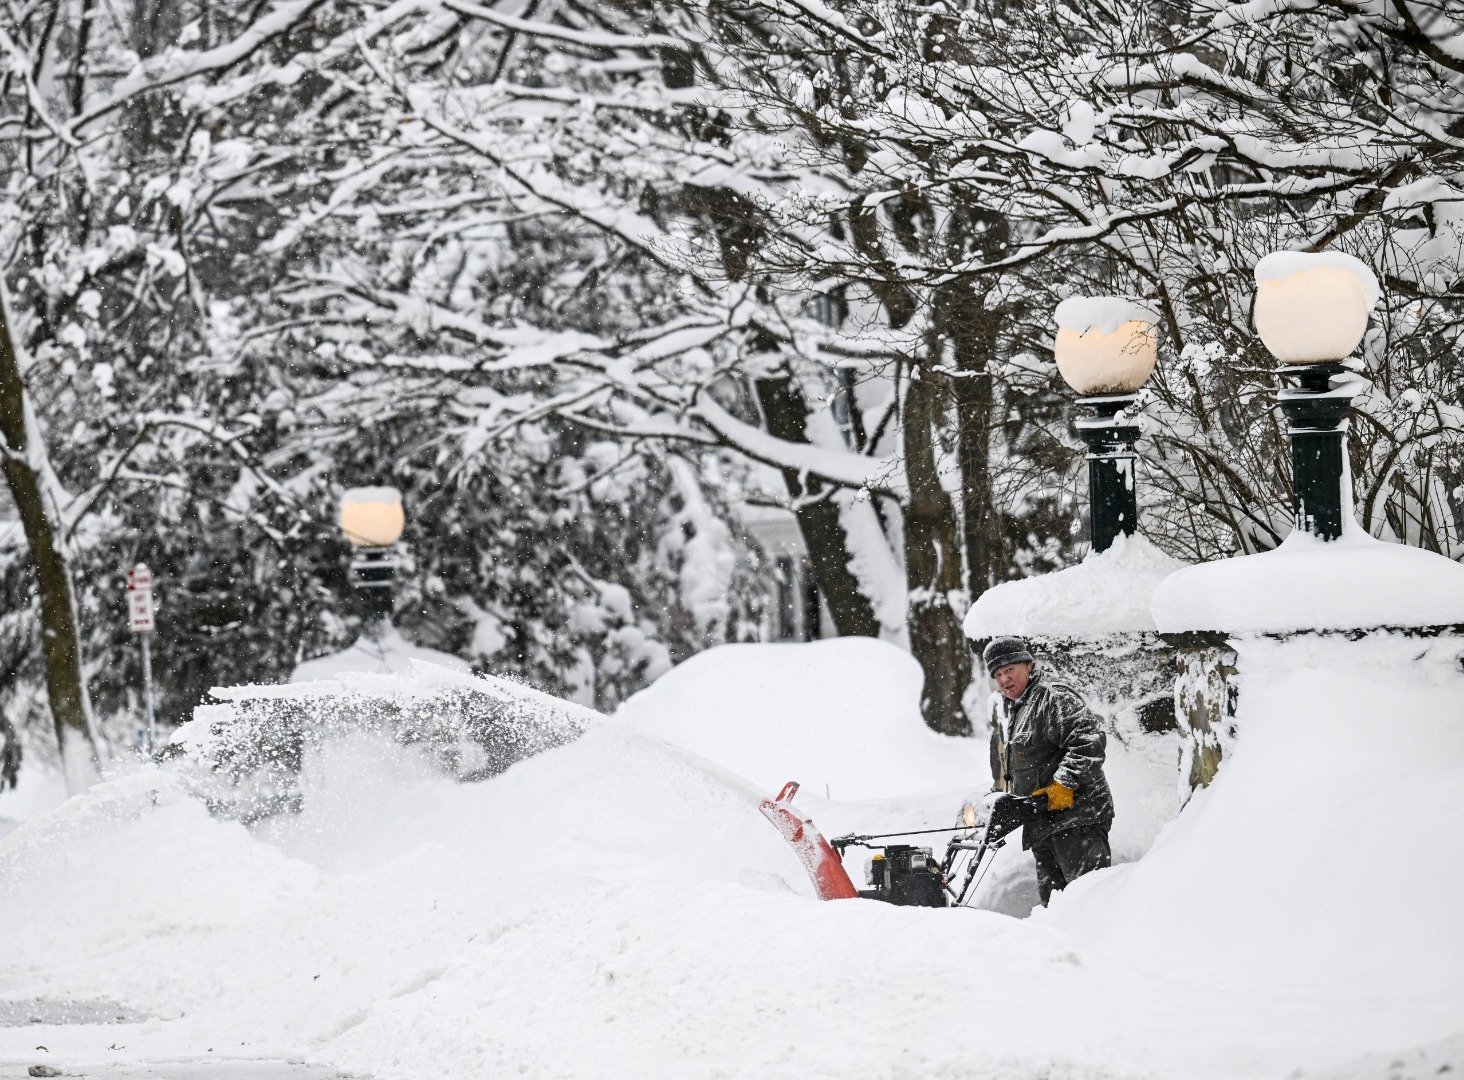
(1066, 856)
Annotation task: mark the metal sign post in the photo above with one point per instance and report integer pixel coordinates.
(140, 617)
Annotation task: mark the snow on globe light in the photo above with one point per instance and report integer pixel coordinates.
(1312, 307)
(1105, 344)
(372, 517)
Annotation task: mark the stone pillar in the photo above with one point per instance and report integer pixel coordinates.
(1205, 698)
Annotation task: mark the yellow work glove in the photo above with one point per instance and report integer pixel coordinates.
(1059, 797)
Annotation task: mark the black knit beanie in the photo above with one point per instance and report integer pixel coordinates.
(1006, 650)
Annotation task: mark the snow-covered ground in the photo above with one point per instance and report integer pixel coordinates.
(616, 907)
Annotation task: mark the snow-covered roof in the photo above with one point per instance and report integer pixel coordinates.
(1107, 593)
(1310, 584)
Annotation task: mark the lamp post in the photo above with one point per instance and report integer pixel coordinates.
(1311, 312)
(1106, 348)
(372, 520)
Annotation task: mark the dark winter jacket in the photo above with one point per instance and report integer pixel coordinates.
(1054, 736)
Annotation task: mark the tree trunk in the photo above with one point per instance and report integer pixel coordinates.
(962, 319)
(22, 459)
(933, 567)
(785, 412)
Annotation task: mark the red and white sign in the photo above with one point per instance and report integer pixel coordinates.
(140, 599)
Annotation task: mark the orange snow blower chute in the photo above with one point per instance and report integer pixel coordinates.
(825, 868)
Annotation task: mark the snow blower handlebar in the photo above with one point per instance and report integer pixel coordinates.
(863, 839)
(1008, 813)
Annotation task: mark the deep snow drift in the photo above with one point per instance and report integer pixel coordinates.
(842, 717)
(1332, 842)
(614, 907)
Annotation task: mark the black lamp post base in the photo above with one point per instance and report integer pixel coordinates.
(1110, 434)
(1316, 410)
(373, 573)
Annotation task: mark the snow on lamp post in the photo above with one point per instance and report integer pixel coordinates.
(1106, 348)
(372, 520)
(1311, 312)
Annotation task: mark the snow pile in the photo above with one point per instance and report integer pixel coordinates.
(1108, 592)
(615, 907)
(609, 909)
(338, 918)
(1322, 869)
(841, 716)
(1311, 584)
(384, 653)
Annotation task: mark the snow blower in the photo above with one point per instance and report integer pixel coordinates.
(905, 874)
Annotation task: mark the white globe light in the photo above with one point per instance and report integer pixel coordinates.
(1313, 307)
(1105, 344)
(372, 517)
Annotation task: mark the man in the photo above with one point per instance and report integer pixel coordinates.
(1044, 741)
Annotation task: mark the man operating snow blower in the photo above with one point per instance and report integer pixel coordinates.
(1046, 742)
(1047, 764)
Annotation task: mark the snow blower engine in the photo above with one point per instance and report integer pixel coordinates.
(902, 874)
(906, 874)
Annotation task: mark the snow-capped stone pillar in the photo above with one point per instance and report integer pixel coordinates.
(1311, 311)
(1295, 593)
(1106, 348)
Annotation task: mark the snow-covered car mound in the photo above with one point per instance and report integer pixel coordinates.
(244, 754)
